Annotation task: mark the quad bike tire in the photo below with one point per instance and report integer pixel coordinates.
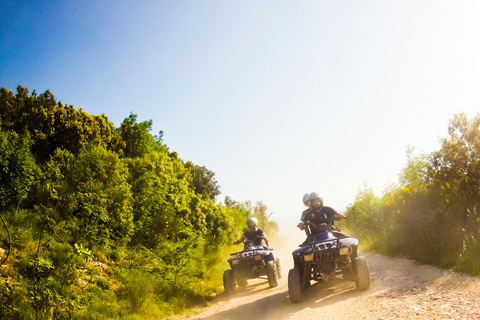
(272, 274)
(295, 285)
(362, 273)
(279, 269)
(229, 282)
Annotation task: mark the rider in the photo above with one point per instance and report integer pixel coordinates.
(306, 202)
(254, 234)
(318, 214)
(305, 212)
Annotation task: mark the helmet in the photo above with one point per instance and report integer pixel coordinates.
(315, 196)
(305, 198)
(252, 222)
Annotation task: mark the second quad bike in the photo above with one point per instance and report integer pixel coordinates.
(324, 258)
(254, 261)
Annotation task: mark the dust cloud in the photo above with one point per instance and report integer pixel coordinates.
(400, 289)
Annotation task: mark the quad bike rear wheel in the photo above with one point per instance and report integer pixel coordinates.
(272, 274)
(228, 281)
(279, 269)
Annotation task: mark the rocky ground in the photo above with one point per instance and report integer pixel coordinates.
(400, 289)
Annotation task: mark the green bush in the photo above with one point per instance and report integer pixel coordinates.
(468, 260)
(431, 215)
(105, 223)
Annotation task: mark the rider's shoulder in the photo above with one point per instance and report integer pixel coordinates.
(307, 213)
(327, 210)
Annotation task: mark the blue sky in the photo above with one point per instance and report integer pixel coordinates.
(278, 98)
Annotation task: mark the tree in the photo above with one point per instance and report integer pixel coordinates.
(138, 140)
(52, 125)
(203, 181)
(415, 171)
(456, 171)
(264, 219)
(18, 168)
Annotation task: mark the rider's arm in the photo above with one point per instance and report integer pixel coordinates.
(303, 216)
(243, 238)
(265, 238)
(303, 225)
(339, 216)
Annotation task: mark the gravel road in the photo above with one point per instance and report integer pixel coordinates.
(400, 289)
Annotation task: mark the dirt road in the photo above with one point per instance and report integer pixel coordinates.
(400, 289)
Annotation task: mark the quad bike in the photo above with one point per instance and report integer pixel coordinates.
(324, 258)
(254, 261)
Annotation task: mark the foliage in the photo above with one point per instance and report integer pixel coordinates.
(137, 141)
(432, 214)
(17, 168)
(52, 125)
(203, 181)
(269, 226)
(106, 223)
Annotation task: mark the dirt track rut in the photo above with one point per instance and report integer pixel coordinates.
(400, 289)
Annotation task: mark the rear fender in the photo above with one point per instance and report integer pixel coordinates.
(269, 257)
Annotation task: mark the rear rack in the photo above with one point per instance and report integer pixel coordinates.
(247, 253)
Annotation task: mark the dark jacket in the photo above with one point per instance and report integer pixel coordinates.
(322, 215)
(257, 236)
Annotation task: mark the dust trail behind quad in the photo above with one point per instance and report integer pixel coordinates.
(400, 289)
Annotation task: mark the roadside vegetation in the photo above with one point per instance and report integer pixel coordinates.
(104, 222)
(433, 213)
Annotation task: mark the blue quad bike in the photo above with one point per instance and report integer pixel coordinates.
(253, 262)
(325, 258)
